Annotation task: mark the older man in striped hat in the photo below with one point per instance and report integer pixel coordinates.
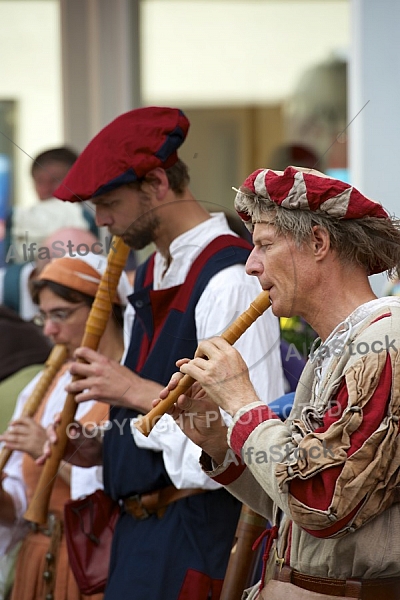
(328, 477)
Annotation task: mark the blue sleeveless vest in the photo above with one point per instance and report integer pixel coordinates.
(190, 545)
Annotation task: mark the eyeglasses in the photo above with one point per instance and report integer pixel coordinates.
(58, 315)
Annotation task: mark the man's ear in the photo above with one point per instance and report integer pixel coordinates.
(158, 181)
(320, 242)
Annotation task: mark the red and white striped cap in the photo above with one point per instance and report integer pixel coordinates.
(307, 189)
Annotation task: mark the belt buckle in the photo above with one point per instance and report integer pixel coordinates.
(45, 529)
(140, 512)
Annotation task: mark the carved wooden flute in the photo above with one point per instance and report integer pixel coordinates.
(95, 326)
(52, 365)
(146, 423)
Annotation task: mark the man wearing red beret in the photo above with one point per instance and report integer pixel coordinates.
(175, 531)
(329, 481)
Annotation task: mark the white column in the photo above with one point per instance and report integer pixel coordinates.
(100, 64)
(374, 86)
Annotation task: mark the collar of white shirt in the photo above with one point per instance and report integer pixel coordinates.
(185, 249)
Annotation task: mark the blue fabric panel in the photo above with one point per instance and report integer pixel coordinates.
(150, 558)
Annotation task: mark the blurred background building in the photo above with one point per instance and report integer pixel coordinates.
(257, 78)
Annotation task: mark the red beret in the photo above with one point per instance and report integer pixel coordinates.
(124, 151)
(306, 189)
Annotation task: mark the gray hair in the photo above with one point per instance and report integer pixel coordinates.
(371, 242)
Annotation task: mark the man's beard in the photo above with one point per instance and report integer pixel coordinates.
(142, 232)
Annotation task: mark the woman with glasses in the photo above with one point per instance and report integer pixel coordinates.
(64, 292)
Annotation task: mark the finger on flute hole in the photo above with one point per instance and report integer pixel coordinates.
(162, 397)
(172, 384)
(182, 361)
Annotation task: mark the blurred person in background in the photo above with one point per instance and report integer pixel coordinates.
(15, 278)
(31, 225)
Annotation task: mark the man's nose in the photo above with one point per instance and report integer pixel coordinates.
(103, 218)
(254, 265)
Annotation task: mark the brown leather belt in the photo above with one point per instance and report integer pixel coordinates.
(364, 589)
(155, 503)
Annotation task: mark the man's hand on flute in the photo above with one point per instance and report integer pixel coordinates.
(108, 381)
(84, 446)
(223, 375)
(222, 381)
(198, 417)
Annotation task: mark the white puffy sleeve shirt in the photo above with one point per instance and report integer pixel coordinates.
(227, 295)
